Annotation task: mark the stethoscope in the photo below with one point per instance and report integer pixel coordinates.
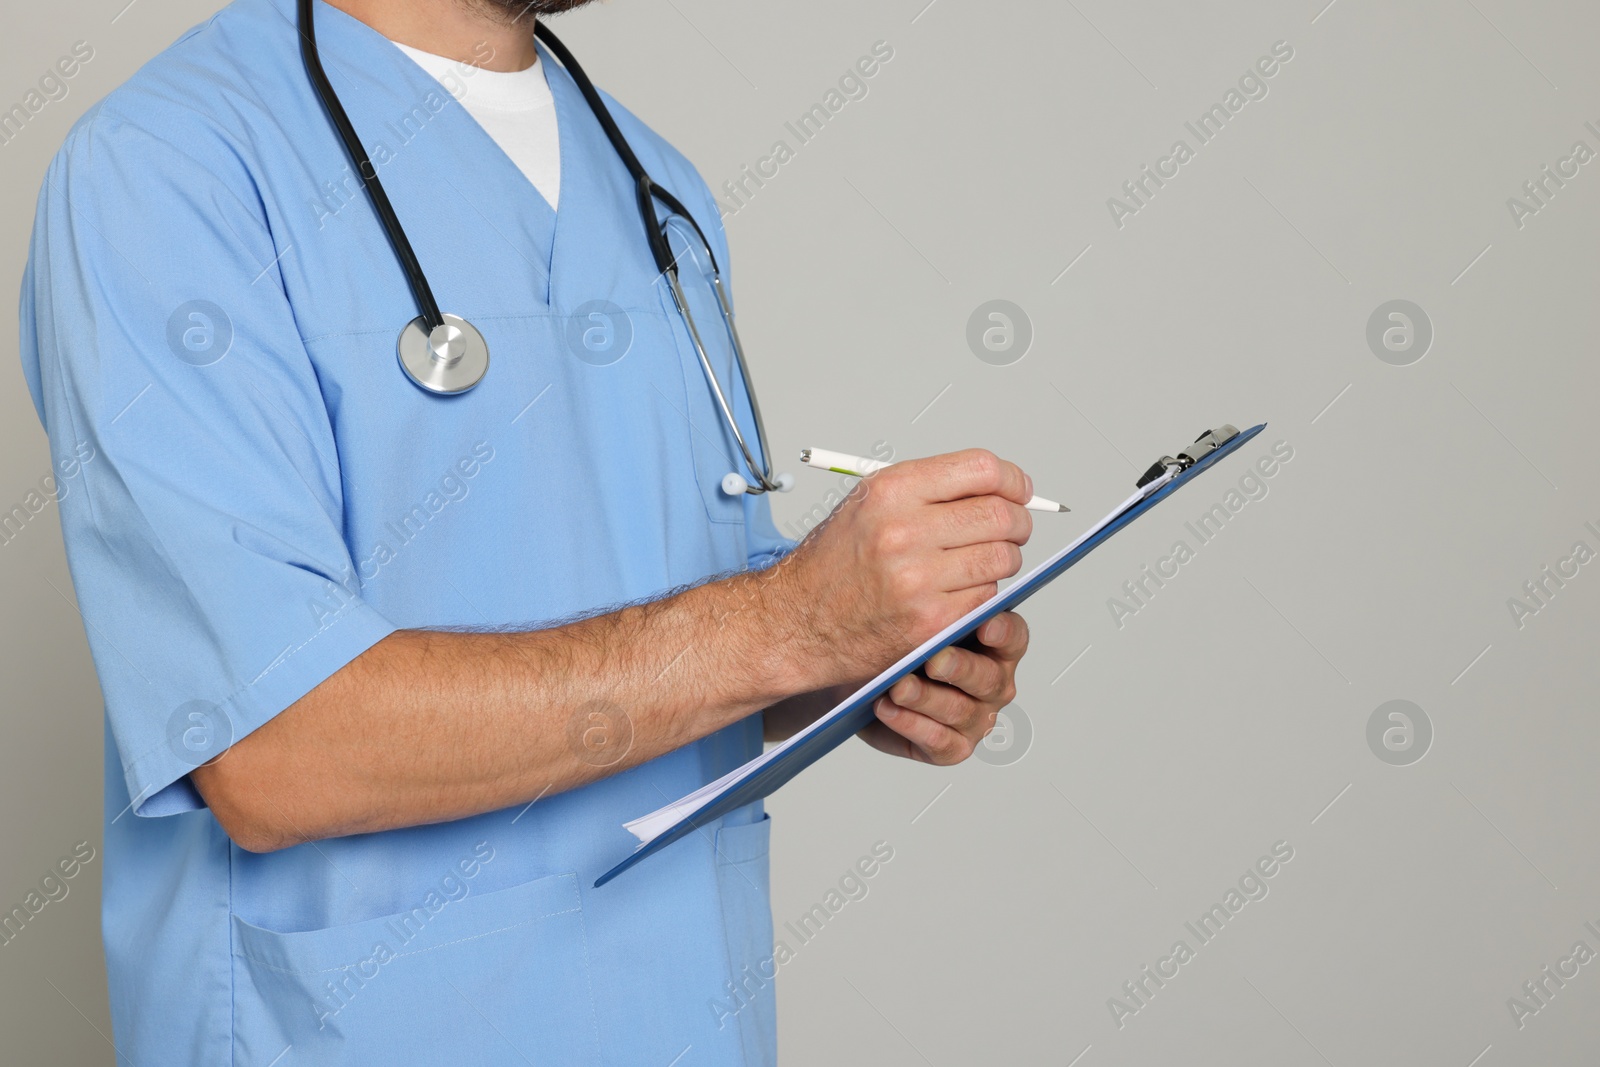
(445, 354)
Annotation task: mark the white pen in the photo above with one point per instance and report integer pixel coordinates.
(861, 466)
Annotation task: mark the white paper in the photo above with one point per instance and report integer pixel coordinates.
(648, 827)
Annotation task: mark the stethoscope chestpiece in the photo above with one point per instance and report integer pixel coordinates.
(450, 358)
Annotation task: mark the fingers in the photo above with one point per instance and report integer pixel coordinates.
(941, 718)
(956, 475)
(1005, 635)
(943, 704)
(929, 740)
(977, 565)
(879, 736)
(978, 519)
(955, 678)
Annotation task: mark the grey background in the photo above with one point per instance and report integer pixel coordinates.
(1229, 713)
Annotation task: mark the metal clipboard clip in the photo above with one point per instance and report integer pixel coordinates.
(1205, 444)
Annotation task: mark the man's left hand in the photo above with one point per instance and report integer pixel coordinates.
(941, 714)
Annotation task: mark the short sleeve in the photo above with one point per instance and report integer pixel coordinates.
(204, 531)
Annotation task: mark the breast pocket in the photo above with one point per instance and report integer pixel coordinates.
(716, 450)
(744, 883)
(501, 977)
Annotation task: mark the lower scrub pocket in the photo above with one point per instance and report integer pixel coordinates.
(501, 977)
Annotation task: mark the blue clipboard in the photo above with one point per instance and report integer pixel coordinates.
(845, 722)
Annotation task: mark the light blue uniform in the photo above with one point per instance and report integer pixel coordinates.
(209, 315)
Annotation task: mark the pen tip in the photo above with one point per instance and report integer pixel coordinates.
(1063, 507)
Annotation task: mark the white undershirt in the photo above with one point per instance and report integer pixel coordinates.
(514, 108)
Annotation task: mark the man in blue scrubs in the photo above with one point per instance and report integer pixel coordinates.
(384, 671)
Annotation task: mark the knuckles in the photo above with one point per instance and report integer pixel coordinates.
(889, 484)
(1001, 515)
(907, 583)
(893, 537)
(955, 748)
(999, 559)
(987, 467)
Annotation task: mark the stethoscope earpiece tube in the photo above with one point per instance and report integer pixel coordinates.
(428, 307)
(647, 193)
(645, 190)
(648, 190)
(445, 354)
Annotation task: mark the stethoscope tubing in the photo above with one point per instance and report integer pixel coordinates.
(648, 193)
(420, 289)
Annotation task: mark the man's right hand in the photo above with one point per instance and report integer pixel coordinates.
(913, 548)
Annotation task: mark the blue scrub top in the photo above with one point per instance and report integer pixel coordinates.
(208, 328)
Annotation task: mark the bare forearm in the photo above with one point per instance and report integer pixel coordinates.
(428, 726)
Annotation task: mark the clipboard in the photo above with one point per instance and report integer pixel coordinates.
(764, 775)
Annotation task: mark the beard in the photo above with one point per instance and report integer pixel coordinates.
(515, 10)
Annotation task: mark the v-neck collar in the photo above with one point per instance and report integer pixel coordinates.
(381, 88)
(563, 144)
(461, 177)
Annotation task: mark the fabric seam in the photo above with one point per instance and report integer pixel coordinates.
(233, 967)
(420, 951)
(588, 978)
